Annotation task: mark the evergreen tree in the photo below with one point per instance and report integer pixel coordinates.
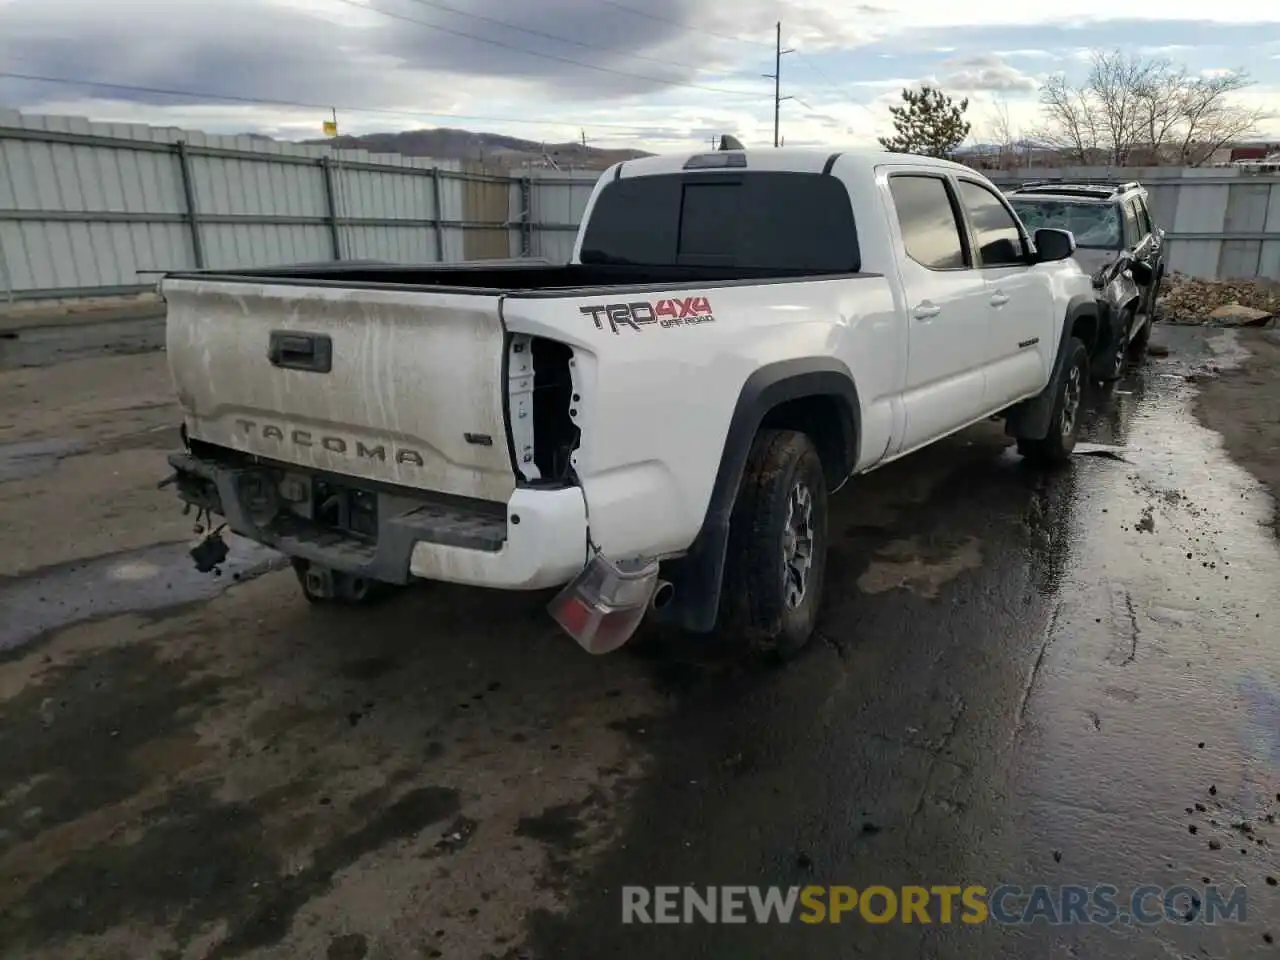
(928, 123)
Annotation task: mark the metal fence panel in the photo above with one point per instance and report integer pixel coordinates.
(1269, 259)
(89, 208)
(398, 244)
(93, 207)
(558, 201)
(230, 245)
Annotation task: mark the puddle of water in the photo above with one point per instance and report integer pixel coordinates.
(150, 579)
(1169, 591)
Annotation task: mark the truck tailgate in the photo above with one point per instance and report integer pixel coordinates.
(403, 387)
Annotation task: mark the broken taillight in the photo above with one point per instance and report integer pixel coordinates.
(603, 605)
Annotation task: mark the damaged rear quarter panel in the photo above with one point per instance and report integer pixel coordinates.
(657, 400)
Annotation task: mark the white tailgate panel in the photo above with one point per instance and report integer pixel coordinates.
(413, 374)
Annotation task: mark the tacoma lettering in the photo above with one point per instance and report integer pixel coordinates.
(333, 444)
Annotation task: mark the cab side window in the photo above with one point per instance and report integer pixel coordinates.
(996, 231)
(930, 229)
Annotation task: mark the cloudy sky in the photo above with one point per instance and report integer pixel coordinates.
(660, 74)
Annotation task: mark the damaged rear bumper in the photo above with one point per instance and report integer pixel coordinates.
(538, 539)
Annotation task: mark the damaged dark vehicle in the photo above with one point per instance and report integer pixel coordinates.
(1118, 244)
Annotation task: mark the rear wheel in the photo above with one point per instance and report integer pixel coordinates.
(777, 554)
(1064, 424)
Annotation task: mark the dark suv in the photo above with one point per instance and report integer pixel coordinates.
(1117, 242)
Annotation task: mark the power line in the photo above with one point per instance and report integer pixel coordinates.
(684, 26)
(833, 86)
(197, 95)
(545, 56)
(434, 4)
(690, 28)
(822, 74)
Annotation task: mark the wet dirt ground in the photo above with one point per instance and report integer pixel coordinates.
(1244, 406)
(1020, 679)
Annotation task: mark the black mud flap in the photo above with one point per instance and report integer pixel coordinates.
(1030, 419)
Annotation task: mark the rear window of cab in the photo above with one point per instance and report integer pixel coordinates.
(759, 220)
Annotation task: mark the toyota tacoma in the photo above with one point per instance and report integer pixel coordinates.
(656, 426)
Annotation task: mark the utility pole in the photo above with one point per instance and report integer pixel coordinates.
(776, 77)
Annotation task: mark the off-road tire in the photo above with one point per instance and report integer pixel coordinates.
(1110, 367)
(758, 577)
(1054, 449)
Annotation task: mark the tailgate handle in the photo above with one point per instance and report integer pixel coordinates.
(301, 351)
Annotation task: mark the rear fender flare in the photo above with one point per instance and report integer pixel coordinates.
(698, 575)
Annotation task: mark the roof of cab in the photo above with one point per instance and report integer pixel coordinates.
(782, 159)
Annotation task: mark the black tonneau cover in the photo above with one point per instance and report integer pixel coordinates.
(513, 277)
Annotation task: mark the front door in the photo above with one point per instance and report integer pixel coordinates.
(1020, 301)
(947, 305)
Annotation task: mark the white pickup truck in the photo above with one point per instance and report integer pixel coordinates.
(655, 426)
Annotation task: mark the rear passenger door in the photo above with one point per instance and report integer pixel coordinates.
(1019, 303)
(946, 305)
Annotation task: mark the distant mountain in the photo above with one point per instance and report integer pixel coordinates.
(491, 148)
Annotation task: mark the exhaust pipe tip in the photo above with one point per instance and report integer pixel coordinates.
(662, 595)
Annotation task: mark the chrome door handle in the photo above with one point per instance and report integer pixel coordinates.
(999, 299)
(926, 311)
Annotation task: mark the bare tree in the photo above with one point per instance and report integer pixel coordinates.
(1115, 80)
(1001, 131)
(1070, 120)
(1209, 120)
(1145, 111)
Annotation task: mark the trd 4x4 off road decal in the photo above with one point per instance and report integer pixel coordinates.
(665, 313)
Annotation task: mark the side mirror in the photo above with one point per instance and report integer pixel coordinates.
(1054, 245)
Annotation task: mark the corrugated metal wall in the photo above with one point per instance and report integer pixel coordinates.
(1221, 222)
(485, 201)
(92, 208)
(557, 198)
